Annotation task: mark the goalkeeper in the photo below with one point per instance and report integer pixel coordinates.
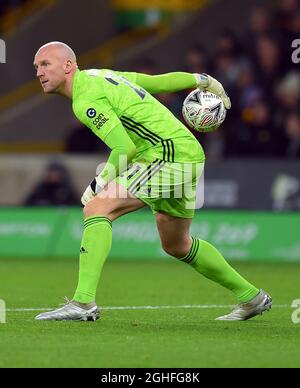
(153, 157)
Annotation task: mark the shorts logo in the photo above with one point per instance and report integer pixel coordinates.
(91, 113)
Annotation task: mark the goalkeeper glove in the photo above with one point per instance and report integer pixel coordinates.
(92, 190)
(207, 83)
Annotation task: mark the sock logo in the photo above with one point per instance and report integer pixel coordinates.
(83, 250)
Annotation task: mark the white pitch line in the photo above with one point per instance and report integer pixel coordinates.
(185, 306)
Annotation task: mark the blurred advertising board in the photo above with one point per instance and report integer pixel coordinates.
(252, 185)
(52, 232)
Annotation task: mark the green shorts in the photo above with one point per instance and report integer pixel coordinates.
(164, 186)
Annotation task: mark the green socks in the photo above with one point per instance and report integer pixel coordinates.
(95, 247)
(207, 260)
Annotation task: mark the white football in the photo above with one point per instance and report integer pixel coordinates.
(203, 111)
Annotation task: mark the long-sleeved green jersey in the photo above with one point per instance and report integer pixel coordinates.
(120, 109)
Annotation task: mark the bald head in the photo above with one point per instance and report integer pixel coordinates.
(56, 64)
(59, 48)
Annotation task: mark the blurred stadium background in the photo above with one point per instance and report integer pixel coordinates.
(252, 185)
(47, 158)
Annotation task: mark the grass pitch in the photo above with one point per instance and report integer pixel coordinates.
(162, 337)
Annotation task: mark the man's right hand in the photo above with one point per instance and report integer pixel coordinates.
(90, 193)
(92, 190)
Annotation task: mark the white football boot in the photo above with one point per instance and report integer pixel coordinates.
(72, 311)
(262, 302)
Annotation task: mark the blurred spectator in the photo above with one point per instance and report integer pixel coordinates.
(288, 99)
(295, 25)
(227, 69)
(227, 42)
(262, 81)
(287, 9)
(255, 135)
(248, 90)
(259, 24)
(227, 58)
(293, 134)
(263, 140)
(54, 189)
(196, 60)
(269, 62)
(288, 91)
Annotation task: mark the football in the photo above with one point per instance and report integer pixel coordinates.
(203, 111)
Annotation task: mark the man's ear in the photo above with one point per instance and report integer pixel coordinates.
(68, 66)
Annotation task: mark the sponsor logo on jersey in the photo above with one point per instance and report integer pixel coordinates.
(100, 120)
(91, 113)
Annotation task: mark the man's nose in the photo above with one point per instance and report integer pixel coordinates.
(39, 72)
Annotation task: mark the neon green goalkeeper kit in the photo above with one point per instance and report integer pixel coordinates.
(105, 99)
(119, 108)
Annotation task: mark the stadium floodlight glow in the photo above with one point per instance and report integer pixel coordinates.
(2, 51)
(2, 311)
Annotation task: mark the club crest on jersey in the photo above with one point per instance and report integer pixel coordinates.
(91, 113)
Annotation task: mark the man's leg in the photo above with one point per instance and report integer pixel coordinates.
(202, 256)
(107, 206)
(97, 237)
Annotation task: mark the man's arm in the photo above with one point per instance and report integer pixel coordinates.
(123, 151)
(99, 116)
(174, 82)
(166, 83)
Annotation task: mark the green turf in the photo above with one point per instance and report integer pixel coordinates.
(146, 338)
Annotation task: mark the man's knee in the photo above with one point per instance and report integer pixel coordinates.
(176, 249)
(96, 208)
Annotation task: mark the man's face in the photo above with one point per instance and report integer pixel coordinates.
(50, 69)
